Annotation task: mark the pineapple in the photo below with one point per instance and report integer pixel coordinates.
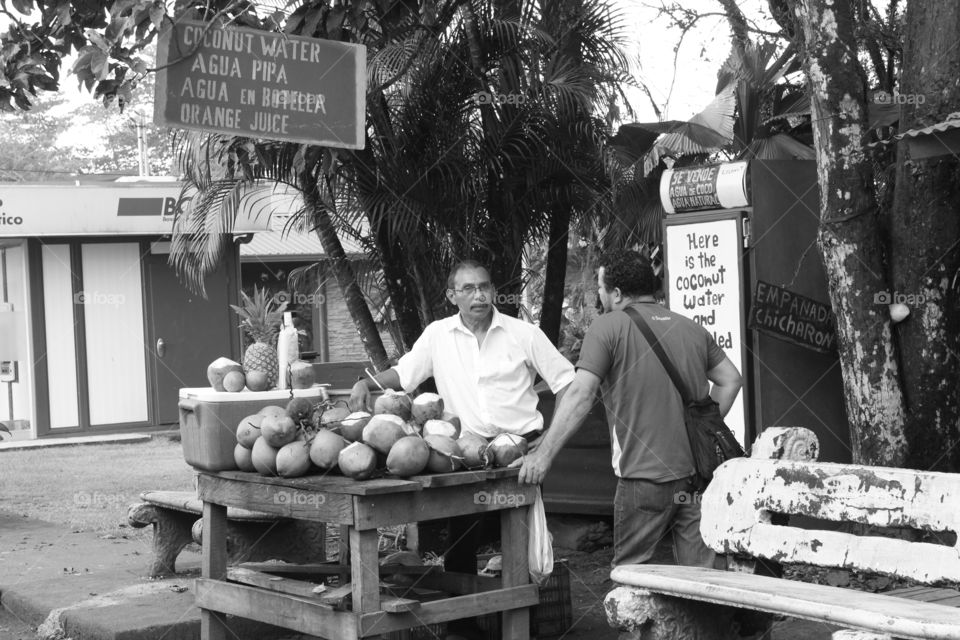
(260, 319)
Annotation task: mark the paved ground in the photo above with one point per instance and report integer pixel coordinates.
(79, 585)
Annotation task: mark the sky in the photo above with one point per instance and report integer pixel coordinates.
(680, 91)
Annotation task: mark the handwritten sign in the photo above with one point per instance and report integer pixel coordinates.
(261, 84)
(792, 317)
(703, 283)
(718, 186)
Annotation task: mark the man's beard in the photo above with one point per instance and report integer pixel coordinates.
(599, 306)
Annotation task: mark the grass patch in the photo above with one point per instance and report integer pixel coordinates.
(89, 487)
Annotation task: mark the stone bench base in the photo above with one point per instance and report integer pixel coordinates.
(251, 537)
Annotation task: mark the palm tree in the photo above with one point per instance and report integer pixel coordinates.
(449, 168)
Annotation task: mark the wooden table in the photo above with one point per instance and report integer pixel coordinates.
(360, 507)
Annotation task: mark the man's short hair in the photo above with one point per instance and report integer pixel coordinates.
(460, 266)
(629, 271)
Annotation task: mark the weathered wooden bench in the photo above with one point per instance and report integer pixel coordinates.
(251, 536)
(910, 519)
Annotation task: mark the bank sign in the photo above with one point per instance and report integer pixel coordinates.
(260, 84)
(69, 210)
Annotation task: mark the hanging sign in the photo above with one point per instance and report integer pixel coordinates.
(792, 317)
(261, 84)
(717, 186)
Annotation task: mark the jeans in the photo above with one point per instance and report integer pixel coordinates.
(645, 511)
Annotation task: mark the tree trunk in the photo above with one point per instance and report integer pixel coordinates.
(346, 278)
(925, 232)
(402, 296)
(849, 235)
(554, 283)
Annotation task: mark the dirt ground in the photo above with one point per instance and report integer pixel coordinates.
(589, 584)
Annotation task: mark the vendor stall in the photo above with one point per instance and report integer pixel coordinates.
(361, 507)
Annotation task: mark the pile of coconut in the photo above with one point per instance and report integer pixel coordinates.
(403, 437)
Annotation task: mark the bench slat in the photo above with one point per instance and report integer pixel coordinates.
(845, 607)
(188, 502)
(738, 503)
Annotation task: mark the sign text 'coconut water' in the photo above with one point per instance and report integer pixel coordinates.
(261, 84)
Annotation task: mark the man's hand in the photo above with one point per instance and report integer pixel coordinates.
(359, 397)
(533, 444)
(533, 467)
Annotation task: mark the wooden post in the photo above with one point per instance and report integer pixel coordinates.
(214, 565)
(364, 570)
(513, 535)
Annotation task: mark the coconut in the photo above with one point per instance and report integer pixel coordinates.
(325, 448)
(408, 456)
(441, 428)
(382, 431)
(293, 459)
(357, 461)
(257, 380)
(302, 375)
(218, 369)
(474, 450)
(426, 406)
(411, 428)
(452, 419)
(249, 430)
(352, 426)
(328, 417)
(234, 381)
(393, 402)
(445, 455)
(278, 431)
(264, 457)
(506, 448)
(243, 457)
(273, 410)
(299, 409)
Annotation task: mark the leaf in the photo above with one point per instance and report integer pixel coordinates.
(23, 6)
(157, 14)
(63, 13)
(97, 40)
(117, 29)
(98, 65)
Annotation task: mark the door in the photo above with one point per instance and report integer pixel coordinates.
(186, 331)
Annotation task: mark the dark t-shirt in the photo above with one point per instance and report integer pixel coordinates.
(644, 409)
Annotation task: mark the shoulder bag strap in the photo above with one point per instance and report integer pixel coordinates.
(658, 350)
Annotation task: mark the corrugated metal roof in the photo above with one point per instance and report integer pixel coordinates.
(283, 243)
(952, 122)
(276, 244)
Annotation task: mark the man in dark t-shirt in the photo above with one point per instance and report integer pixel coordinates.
(656, 493)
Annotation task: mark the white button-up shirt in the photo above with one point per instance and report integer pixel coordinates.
(489, 387)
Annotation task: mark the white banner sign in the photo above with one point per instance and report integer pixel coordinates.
(703, 283)
(87, 210)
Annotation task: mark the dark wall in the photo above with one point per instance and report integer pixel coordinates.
(792, 385)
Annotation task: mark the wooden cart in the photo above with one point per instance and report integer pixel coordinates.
(361, 507)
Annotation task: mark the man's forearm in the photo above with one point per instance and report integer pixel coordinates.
(388, 379)
(724, 396)
(571, 410)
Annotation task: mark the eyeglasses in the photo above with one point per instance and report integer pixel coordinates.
(471, 290)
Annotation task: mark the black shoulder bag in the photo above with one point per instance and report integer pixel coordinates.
(711, 440)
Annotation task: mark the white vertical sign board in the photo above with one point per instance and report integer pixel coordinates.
(703, 284)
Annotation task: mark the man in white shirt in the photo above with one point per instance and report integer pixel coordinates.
(484, 364)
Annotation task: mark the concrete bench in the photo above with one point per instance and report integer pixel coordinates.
(177, 521)
(911, 519)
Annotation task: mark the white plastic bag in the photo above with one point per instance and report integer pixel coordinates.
(540, 544)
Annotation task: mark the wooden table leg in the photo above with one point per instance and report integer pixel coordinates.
(214, 565)
(513, 538)
(364, 570)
